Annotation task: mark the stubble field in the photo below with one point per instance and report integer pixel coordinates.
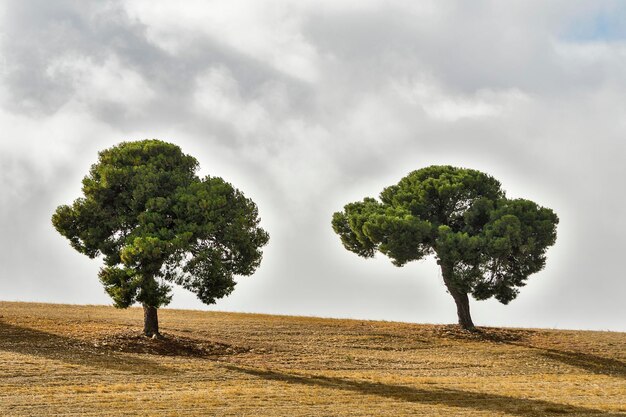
(91, 360)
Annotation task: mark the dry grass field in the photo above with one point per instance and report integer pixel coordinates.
(90, 360)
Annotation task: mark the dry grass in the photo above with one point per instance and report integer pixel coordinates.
(88, 360)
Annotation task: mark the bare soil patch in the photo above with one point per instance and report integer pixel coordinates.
(488, 334)
(167, 345)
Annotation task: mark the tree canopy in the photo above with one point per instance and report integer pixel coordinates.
(487, 245)
(156, 223)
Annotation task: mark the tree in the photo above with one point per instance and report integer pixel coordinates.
(156, 223)
(485, 244)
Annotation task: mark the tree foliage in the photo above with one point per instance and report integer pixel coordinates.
(486, 244)
(156, 223)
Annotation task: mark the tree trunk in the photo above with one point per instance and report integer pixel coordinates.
(150, 321)
(462, 302)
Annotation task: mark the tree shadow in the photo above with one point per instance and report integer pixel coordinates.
(590, 363)
(448, 397)
(28, 341)
(520, 337)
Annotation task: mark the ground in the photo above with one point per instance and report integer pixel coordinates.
(92, 360)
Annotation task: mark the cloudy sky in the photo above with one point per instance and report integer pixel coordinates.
(308, 105)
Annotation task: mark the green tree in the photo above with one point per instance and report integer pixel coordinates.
(485, 244)
(156, 223)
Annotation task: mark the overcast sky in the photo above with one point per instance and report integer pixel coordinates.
(308, 105)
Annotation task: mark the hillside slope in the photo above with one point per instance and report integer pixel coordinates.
(90, 360)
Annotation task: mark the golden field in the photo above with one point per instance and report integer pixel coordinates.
(90, 360)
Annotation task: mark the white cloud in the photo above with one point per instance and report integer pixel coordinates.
(592, 60)
(445, 106)
(217, 97)
(108, 81)
(34, 151)
(266, 31)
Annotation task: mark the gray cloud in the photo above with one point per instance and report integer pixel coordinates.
(309, 106)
